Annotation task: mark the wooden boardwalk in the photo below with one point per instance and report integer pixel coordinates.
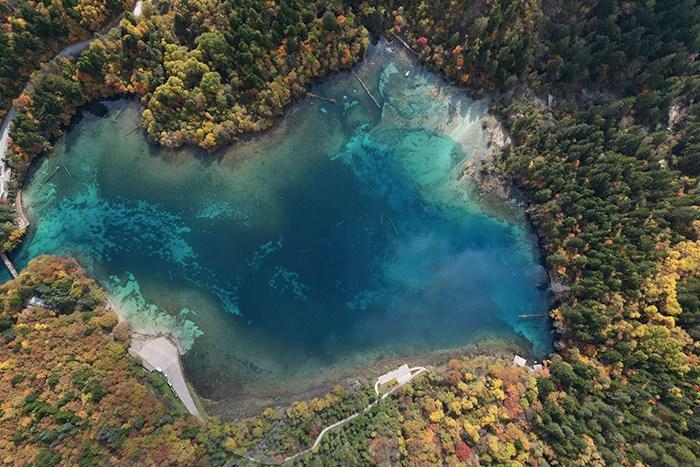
(22, 221)
(8, 264)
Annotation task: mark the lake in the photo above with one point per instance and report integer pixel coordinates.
(343, 235)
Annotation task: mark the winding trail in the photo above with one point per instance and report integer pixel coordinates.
(418, 371)
(415, 371)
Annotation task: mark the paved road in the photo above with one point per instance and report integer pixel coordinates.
(4, 138)
(74, 49)
(69, 52)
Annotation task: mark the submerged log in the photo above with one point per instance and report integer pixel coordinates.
(134, 128)
(398, 38)
(533, 315)
(116, 116)
(52, 174)
(376, 102)
(327, 99)
(395, 229)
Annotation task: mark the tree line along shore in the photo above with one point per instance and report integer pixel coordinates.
(608, 167)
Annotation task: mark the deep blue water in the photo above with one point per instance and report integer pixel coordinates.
(343, 235)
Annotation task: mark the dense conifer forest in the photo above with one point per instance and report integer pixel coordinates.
(600, 98)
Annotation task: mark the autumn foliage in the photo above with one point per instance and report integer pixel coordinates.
(32, 32)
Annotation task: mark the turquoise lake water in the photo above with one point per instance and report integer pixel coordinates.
(342, 235)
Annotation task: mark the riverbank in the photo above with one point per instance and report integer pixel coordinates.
(160, 351)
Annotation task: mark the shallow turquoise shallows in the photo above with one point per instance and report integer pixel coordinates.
(344, 234)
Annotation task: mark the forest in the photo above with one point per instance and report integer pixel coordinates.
(205, 73)
(32, 32)
(71, 394)
(600, 98)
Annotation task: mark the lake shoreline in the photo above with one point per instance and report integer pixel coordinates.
(352, 377)
(247, 404)
(349, 377)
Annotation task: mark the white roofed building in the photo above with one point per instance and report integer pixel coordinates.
(36, 301)
(401, 375)
(397, 377)
(519, 361)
